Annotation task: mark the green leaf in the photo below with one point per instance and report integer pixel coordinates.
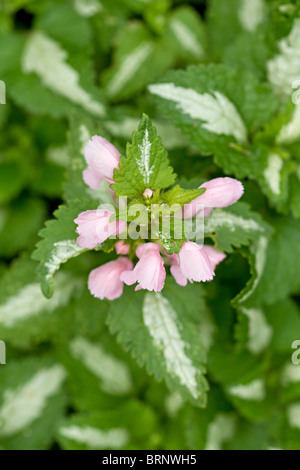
(252, 399)
(59, 242)
(156, 329)
(219, 108)
(24, 216)
(186, 34)
(31, 402)
(227, 20)
(138, 59)
(178, 195)
(211, 428)
(98, 378)
(284, 318)
(12, 180)
(274, 266)
(170, 244)
(124, 120)
(268, 327)
(26, 316)
(258, 52)
(282, 83)
(49, 179)
(146, 164)
(111, 429)
(235, 226)
(253, 330)
(44, 69)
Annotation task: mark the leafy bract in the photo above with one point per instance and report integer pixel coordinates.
(156, 328)
(146, 164)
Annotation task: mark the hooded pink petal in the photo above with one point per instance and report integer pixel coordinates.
(91, 178)
(194, 263)
(104, 282)
(122, 248)
(191, 264)
(215, 256)
(219, 192)
(149, 272)
(102, 158)
(94, 227)
(178, 275)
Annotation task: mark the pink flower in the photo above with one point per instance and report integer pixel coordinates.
(149, 272)
(122, 248)
(215, 256)
(105, 283)
(94, 227)
(102, 158)
(219, 192)
(148, 193)
(191, 264)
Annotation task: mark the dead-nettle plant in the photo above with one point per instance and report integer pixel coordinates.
(156, 224)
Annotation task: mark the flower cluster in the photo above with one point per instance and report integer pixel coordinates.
(193, 263)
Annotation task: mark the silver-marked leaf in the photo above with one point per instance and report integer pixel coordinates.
(116, 429)
(218, 108)
(146, 164)
(31, 402)
(160, 335)
(235, 226)
(59, 242)
(26, 316)
(276, 259)
(284, 68)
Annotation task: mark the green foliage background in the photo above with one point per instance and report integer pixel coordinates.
(86, 374)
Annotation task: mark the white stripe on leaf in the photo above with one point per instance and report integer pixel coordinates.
(260, 332)
(25, 404)
(220, 431)
(259, 250)
(143, 160)
(253, 391)
(128, 68)
(29, 301)
(94, 438)
(114, 374)
(46, 58)
(218, 113)
(272, 173)
(188, 40)
(252, 13)
(284, 68)
(161, 320)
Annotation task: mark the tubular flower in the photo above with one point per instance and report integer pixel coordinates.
(219, 192)
(105, 283)
(102, 158)
(122, 248)
(94, 227)
(149, 272)
(191, 264)
(215, 256)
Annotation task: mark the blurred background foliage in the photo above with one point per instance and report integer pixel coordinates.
(68, 384)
